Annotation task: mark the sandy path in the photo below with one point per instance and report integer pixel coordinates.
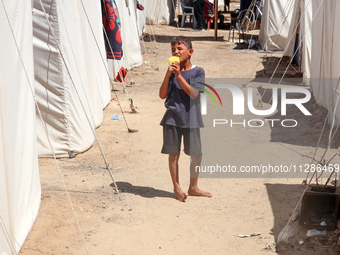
(145, 218)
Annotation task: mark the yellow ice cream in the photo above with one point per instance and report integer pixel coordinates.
(173, 59)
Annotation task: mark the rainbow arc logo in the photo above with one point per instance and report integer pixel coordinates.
(209, 93)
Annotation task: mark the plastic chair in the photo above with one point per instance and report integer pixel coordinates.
(187, 11)
(209, 13)
(234, 25)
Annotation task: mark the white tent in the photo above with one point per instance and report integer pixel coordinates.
(131, 31)
(93, 40)
(318, 35)
(325, 68)
(59, 101)
(302, 24)
(141, 19)
(71, 96)
(19, 174)
(158, 11)
(281, 21)
(275, 23)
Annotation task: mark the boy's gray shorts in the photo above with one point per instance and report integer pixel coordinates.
(172, 137)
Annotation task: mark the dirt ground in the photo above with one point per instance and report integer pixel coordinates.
(146, 218)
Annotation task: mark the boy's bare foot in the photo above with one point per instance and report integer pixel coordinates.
(198, 192)
(180, 195)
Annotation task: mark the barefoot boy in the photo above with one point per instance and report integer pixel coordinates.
(183, 115)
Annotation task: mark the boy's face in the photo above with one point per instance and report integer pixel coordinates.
(181, 51)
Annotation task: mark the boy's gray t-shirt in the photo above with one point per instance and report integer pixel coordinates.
(182, 111)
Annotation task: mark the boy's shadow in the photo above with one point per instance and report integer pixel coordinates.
(148, 192)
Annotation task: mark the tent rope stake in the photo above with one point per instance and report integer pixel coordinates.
(45, 130)
(72, 82)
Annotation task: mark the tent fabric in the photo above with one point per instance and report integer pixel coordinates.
(281, 21)
(130, 38)
(294, 24)
(131, 42)
(325, 67)
(301, 24)
(157, 11)
(95, 49)
(275, 24)
(20, 190)
(319, 52)
(306, 38)
(141, 19)
(67, 109)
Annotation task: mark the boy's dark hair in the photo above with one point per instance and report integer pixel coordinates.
(182, 39)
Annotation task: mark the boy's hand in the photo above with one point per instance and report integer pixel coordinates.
(175, 67)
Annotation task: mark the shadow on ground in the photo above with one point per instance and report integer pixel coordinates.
(308, 127)
(278, 67)
(143, 191)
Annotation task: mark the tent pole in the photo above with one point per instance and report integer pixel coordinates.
(216, 19)
(179, 8)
